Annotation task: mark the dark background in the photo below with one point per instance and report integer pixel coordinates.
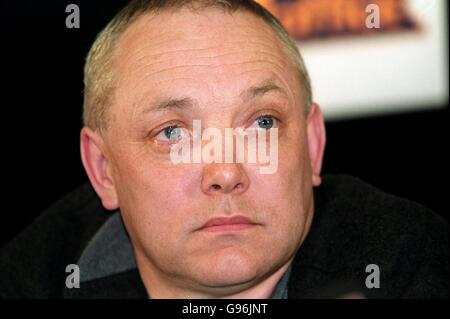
(41, 100)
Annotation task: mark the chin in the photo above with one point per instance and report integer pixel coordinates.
(228, 269)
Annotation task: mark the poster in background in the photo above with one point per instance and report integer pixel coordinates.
(359, 71)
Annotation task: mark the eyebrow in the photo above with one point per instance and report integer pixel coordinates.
(256, 91)
(174, 103)
(261, 89)
(171, 104)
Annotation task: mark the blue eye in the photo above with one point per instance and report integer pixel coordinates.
(266, 122)
(170, 133)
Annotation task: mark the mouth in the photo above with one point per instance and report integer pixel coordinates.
(228, 224)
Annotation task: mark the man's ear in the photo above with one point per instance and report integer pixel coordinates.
(97, 167)
(315, 130)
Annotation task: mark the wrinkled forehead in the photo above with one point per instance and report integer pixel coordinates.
(173, 49)
(172, 28)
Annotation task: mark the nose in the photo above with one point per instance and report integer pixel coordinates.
(224, 178)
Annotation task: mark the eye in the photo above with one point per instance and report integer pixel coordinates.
(169, 134)
(266, 122)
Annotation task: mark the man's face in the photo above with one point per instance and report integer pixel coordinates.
(210, 59)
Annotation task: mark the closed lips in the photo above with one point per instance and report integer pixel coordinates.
(224, 221)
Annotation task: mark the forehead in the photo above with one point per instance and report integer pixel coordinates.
(171, 28)
(209, 47)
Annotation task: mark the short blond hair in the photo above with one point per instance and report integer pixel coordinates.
(98, 71)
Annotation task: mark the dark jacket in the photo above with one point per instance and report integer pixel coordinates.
(354, 225)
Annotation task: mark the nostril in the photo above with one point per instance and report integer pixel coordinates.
(216, 187)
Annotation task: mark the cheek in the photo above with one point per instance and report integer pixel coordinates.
(281, 193)
(162, 187)
(287, 192)
(280, 199)
(155, 194)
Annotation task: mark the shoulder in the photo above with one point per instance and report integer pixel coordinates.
(33, 264)
(364, 209)
(359, 203)
(407, 241)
